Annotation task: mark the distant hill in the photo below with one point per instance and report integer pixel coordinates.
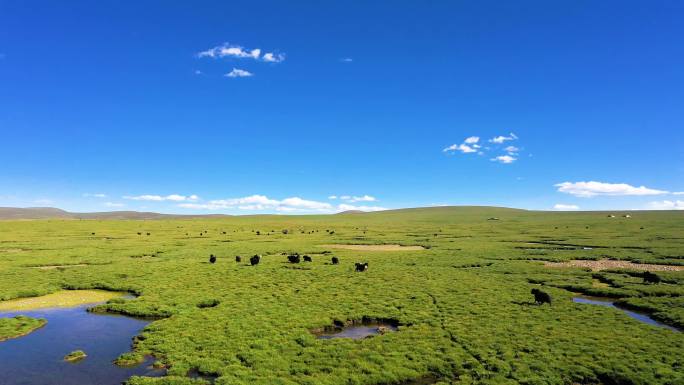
(8, 213)
(16, 213)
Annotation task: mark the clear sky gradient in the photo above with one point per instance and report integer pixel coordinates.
(258, 106)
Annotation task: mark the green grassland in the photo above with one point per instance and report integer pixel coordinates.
(19, 326)
(463, 303)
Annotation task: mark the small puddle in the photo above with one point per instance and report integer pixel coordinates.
(356, 331)
(641, 317)
(38, 358)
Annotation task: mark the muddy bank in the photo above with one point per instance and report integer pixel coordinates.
(605, 264)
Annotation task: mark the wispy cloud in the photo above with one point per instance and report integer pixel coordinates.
(354, 199)
(505, 159)
(666, 205)
(96, 195)
(512, 150)
(114, 204)
(43, 201)
(564, 207)
(239, 52)
(271, 57)
(332, 197)
(471, 145)
(238, 73)
(501, 138)
(593, 188)
(346, 60)
(160, 198)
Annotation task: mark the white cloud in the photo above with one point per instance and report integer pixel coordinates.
(346, 60)
(564, 207)
(464, 148)
(332, 197)
(592, 188)
(287, 205)
(43, 201)
(159, 198)
(304, 204)
(198, 72)
(365, 198)
(113, 204)
(347, 207)
(227, 50)
(667, 205)
(500, 139)
(271, 57)
(260, 203)
(238, 73)
(98, 195)
(236, 51)
(506, 159)
(678, 193)
(468, 146)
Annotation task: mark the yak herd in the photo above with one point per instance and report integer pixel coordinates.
(292, 258)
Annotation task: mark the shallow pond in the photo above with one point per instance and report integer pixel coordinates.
(357, 332)
(642, 317)
(38, 358)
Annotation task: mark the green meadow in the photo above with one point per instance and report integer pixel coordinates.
(463, 302)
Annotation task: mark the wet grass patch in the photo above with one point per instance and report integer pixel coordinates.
(19, 326)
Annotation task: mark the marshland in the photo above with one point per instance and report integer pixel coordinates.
(459, 298)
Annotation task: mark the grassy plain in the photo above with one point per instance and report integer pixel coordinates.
(463, 302)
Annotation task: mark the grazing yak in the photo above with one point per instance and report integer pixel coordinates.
(651, 277)
(294, 258)
(361, 266)
(255, 260)
(335, 260)
(238, 258)
(212, 258)
(307, 259)
(541, 297)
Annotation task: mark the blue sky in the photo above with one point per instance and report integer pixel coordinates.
(248, 107)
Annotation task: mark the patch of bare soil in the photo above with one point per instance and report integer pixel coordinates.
(374, 247)
(605, 264)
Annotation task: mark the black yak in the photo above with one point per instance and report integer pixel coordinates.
(92, 233)
(541, 297)
(139, 233)
(651, 277)
(148, 233)
(335, 261)
(238, 258)
(307, 259)
(255, 260)
(294, 258)
(361, 266)
(212, 258)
